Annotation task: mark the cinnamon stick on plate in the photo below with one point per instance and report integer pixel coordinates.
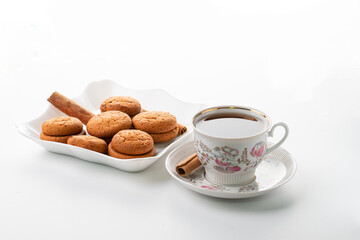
(70, 108)
(188, 165)
(182, 129)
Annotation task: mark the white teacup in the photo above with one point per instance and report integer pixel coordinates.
(231, 141)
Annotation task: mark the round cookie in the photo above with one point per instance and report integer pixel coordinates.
(88, 142)
(60, 139)
(132, 142)
(154, 122)
(62, 126)
(128, 105)
(107, 124)
(116, 154)
(164, 137)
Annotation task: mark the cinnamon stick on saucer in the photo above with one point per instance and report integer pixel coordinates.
(189, 165)
(70, 108)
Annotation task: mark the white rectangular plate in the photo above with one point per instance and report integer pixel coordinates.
(91, 98)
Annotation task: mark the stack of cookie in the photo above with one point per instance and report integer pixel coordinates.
(106, 124)
(70, 130)
(89, 142)
(112, 126)
(161, 126)
(60, 129)
(131, 144)
(125, 104)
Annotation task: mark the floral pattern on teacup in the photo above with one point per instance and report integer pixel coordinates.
(226, 159)
(258, 150)
(197, 179)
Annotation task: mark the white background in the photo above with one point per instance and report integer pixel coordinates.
(298, 61)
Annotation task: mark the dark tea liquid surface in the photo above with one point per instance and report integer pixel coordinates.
(231, 125)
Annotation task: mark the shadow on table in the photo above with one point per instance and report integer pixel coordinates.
(55, 167)
(275, 200)
(156, 173)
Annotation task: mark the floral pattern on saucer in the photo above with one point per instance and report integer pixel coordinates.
(197, 178)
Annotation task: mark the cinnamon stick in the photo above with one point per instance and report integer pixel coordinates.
(70, 108)
(182, 129)
(188, 165)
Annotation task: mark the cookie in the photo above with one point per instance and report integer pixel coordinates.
(154, 122)
(132, 142)
(88, 142)
(116, 154)
(60, 139)
(128, 105)
(62, 126)
(164, 137)
(107, 124)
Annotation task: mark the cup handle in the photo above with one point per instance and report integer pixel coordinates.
(271, 134)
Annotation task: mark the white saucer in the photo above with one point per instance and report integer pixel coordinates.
(275, 170)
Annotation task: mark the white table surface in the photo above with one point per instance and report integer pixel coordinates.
(298, 62)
